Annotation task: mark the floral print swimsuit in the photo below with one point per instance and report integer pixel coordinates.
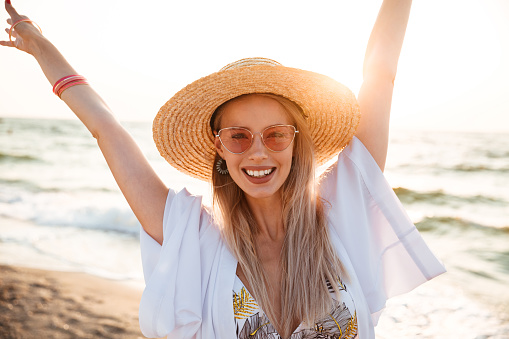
(252, 323)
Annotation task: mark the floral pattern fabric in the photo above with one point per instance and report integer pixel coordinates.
(252, 323)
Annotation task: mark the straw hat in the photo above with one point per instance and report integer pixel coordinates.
(182, 126)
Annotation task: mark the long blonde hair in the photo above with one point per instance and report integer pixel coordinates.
(308, 260)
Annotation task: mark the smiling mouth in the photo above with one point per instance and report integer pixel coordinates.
(260, 173)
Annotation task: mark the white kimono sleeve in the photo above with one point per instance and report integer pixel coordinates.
(177, 273)
(387, 252)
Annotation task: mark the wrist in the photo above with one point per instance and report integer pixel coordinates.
(38, 45)
(27, 31)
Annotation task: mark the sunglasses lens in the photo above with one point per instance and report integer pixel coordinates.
(278, 138)
(236, 140)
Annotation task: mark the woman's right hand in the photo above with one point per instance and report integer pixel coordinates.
(143, 189)
(24, 32)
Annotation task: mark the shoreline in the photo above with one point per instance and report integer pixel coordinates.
(54, 304)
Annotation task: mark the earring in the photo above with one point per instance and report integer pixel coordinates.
(221, 170)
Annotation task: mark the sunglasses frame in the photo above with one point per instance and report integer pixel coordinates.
(295, 131)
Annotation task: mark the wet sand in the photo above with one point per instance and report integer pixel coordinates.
(49, 304)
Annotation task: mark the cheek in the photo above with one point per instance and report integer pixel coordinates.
(231, 161)
(286, 164)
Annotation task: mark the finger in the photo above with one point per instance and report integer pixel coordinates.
(13, 33)
(14, 41)
(7, 44)
(8, 7)
(10, 21)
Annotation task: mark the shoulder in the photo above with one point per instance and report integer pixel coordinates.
(184, 212)
(352, 165)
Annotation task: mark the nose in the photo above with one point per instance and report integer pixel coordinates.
(258, 151)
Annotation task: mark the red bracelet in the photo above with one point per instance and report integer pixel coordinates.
(74, 83)
(20, 21)
(65, 80)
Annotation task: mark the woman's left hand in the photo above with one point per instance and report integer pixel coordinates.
(23, 33)
(380, 65)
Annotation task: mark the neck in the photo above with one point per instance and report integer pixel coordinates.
(268, 213)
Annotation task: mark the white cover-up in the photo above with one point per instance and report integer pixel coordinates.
(189, 279)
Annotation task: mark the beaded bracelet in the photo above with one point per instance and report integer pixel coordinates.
(18, 22)
(66, 82)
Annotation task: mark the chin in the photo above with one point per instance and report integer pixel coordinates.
(262, 190)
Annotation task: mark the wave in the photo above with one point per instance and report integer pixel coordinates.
(438, 197)
(6, 157)
(497, 154)
(462, 168)
(443, 224)
(478, 168)
(27, 186)
(108, 219)
(32, 187)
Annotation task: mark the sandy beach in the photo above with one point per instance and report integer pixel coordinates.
(38, 303)
(50, 304)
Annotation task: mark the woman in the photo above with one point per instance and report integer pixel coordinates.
(283, 255)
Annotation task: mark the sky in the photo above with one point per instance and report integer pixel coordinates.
(452, 75)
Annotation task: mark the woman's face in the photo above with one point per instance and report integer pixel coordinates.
(256, 112)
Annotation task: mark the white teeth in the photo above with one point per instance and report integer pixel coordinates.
(258, 174)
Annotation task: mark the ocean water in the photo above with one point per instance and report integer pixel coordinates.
(61, 209)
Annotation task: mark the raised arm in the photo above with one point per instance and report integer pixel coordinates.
(144, 191)
(379, 72)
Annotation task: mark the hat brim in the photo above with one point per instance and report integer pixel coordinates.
(181, 129)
